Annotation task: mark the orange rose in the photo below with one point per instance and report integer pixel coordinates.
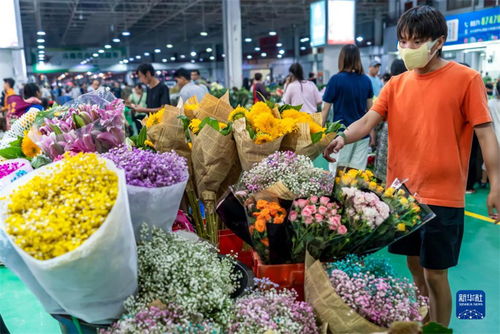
(261, 204)
(279, 219)
(260, 225)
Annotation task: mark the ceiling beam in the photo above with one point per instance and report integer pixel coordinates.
(70, 20)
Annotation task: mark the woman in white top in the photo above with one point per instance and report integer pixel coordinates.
(300, 91)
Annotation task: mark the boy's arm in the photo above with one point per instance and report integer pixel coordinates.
(491, 155)
(356, 131)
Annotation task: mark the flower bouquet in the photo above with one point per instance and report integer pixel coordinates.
(361, 295)
(310, 138)
(258, 132)
(155, 184)
(66, 220)
(83, 128)
(191, 107)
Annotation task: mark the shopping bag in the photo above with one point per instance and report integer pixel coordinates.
(154, 206)
(92, 281)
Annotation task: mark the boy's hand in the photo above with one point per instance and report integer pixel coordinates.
(493, 203)
(334, 147)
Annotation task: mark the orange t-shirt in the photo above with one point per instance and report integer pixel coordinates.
(431, 118)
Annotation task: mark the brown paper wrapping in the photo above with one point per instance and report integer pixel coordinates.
(277, 190)
(216, 108)
(329, 306)
(301, 143)
(191, 113)
(249, 152)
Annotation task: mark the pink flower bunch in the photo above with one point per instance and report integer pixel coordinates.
(317, 210)
(365, 206)
(381, 300)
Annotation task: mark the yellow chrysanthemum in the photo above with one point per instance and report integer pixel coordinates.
(155, 118)
(401, 227)
(29, 148)
(389, 192)
(149, 143)
(194, 125)
(372, 186)
(262, 138)
(237, 113)
(353, 173)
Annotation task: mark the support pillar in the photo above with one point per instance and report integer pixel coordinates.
(233, 73)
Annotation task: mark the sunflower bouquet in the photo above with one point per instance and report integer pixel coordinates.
(191, 107)
(310, 138)
(258, 132)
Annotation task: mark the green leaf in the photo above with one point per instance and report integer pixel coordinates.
(56, 129)
(227, 130)
(334, 127)
(316, 137)
(12, 152)
(142, 136)
(435, 328)
(185, 121)
(80, 123)
(212, 122)
(251, 131)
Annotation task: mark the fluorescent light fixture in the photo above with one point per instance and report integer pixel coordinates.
(248, 40)
(101, 51)
(125, 61)
(223, 56)
(359, 39)
(303, 48)
(107, 46)
(164, 60)
(157, 50)
(279, 45)
(305, 39)
(368, 43)
(138, 57)
(272, 33)
(209, 50)
(263, 54)
(192, 61)
(131, 59)
(41, 47)
(95, 55)
(40, 40)
(257, 48)
(212, 58)
(41, 51)
(126, 33)
(169, 46)
(41, 33)
(203, 33)
(182, 56)
(281, 52)
(147, 54)
(249, 57)
(193, 54)
(116, 40)
(280, 56)
(172, 58)
(120, 62)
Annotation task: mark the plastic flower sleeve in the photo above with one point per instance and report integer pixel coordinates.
(92, 281)
(101, 97)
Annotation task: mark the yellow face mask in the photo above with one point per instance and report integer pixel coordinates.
(417, 58)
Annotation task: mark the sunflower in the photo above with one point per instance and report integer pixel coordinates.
(258, 109)
(194, 125)
(287, 125)
(265, 122)
(29, 148)
(237, 113)
(155, 118)
(262, 138)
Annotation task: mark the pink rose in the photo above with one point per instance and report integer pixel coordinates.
(322, 210)
(308, 220)
(329, 205)
(332, 227)
(342, 229)
(319, 218)
(324, 200)
(333, 212)
(314, 199)
(334, 221)
(306, 212)
(301, 203)
(293, 216)
(311, 208)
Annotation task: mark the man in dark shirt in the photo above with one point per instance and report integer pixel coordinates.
(259, 91)
(157, 93)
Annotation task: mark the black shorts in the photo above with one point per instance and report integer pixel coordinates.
(437, 242)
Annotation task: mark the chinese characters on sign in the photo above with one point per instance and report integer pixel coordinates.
(478, 26)
(471, 304)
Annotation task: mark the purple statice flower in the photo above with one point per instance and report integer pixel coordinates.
(273, 310)
(149, 169)
(7, 168)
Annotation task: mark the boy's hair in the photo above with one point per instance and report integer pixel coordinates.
(422, 22)
(258, 76)
(144, 68)
(182, 73)
(10, 81)
(196, 71)
(30, 90)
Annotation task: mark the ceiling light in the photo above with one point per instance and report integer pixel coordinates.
(182, 56)
(249, 57)
(192, 61)
(281, 52)
(203, 33)
(107, 46)
(41, 47)
(126, 33)
(157, 50)
(89, 73)
(164, 60)
(172, 58)
(95, 55)
(305, 39)
(359, 39)
(121, 62)
(146, 54)
(101, 51)
(263, 54)
(223, 56)
(280, 56)
(303, 48)
(125, 61)
(41, 51)
(209, 50)
(169, 46)
(158, 72)
(138, 57)
(212, 58)
(272, 33)
(279, 45)
(131, 59)
(248, 40)
(40, 40)
(193, 54)
(257, 48)
(368, 43)
(116, 40)
(201, 59)
(41, 33)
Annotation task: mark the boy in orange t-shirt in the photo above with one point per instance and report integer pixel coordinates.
(432, 111)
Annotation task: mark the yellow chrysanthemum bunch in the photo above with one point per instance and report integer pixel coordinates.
(302, 117)
(153, 119)
(52, 214)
